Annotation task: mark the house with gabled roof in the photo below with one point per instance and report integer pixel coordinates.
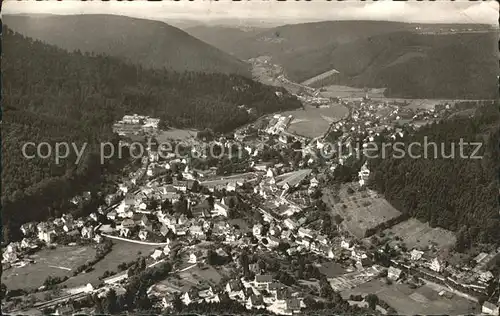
(88, 232)
(255, 302)
(489, 308)
(28, 228)
(197, 232)
(293, 305)
(143, 234)
(304, 232)
(220, 209)
(262, 281)
(64, 310)
(394, 273)
(157, 254)
(190, 297)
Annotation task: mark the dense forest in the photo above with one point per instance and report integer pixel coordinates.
(152, 44)
(51, 95)
(459, 194)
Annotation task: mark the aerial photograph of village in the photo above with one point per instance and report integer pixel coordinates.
(341, 162)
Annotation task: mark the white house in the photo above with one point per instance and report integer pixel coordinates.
(125, 232)
(290, 224)
(220, 209)
(304, 232)
(111, 215)
(93, 216)
(143, 235)
(437, 265)
(393, 273)
(88, 232)
(235, 290)
(313, 183)
(157, 254)
(489, 308)
(98, 238)
(327, 251)
(257, 229)
(486, 277)
(189, 298)
(68, 226)
(346, 244)
(322, 240)
(166, 250)
(231, 186)
(192, 258)
(416, 255)
(28, 228)
(197, 231)
(256, 302)
(364, 174)
(262, 281)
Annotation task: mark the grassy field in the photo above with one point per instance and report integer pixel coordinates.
(176, 134)
(406, 301)
(122, 252)
(350, 92)
(416, 234)
(361, 211)
(331, 269)
(313, 122)
(48, 262)
(193, 277)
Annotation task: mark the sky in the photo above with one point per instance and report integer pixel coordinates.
(271, 11)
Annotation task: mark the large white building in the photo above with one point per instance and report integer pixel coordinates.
(364, 174)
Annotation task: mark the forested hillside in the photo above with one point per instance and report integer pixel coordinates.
(462, 66)
(152, 44)
(224, 37)
(52, 95)
(459, 194)
(411, 60)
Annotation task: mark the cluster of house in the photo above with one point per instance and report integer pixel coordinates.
(474, 278)
(261, 293)
(45, 233)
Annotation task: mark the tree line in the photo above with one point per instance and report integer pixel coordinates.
(459, 194)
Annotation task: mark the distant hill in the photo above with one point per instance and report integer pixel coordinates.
(409, 65)
(149, 43)
(409, 59)
(223, 37)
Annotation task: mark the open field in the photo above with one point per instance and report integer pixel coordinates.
(122, 252)
(313, 122)
(362, 213)
(354, 279)
(331, 269)
(406, 301)
(416, 234)
(318, 78)
(193, 277)
(351, 92)
(241, 223)
(175, 134)
(48, 262)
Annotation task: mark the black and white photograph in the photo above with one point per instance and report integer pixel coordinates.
(250, 157)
